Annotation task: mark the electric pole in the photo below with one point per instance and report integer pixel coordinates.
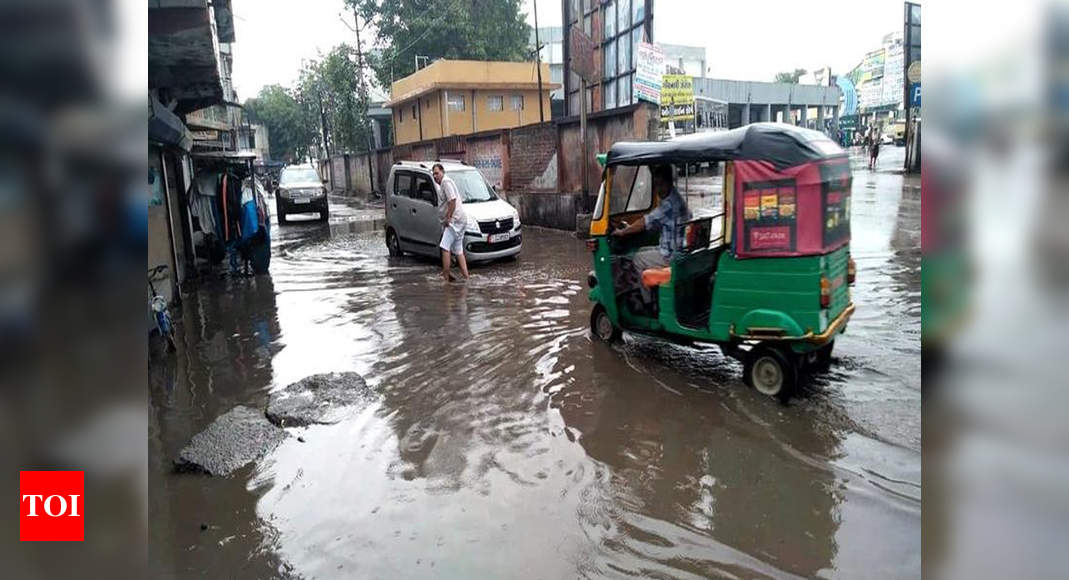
(538, 66)
(363, 100)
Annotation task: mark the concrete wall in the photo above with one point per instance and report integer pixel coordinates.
(362, 179)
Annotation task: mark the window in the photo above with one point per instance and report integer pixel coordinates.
(291, 175)
(414, 112)
(608, 16)
(641, 198)
(610, 95)
(609, 60)
(424, 191)
(516, 102)
(623, 52)
(495, 103)
(402, 183)
(456, 103)
(400, 114)
(623, 91)
(624, 21)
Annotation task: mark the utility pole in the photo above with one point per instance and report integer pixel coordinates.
(538, 66)
(363, 100)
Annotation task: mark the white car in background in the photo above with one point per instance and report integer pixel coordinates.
(412, 218)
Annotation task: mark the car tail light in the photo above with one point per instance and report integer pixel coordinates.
(851, 270)
(825, 292)
(592, 244)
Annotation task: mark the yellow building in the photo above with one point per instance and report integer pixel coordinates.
(458, 97)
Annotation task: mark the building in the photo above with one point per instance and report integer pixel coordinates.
(812, 106)
(688, 60)
(552, 40)
(616, 29)
(460, 97)
(188, 82)
(878, 83)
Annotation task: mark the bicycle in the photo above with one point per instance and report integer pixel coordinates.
(159, 308)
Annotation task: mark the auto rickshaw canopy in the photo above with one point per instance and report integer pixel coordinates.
(780, 144)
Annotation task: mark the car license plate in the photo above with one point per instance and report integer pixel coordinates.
(496, 238)
(301, 200)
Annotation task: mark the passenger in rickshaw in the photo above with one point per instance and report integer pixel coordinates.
(670, 215)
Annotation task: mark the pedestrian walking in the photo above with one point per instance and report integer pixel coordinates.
(874, 151)
(451, 214)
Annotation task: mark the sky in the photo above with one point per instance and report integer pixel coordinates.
(750, 40)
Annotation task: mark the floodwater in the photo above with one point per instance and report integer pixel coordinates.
(506, 442)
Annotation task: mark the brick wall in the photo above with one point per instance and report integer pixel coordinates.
(533, 158)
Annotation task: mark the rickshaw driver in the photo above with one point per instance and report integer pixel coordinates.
(670, 214)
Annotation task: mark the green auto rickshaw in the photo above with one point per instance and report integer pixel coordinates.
(765, 267)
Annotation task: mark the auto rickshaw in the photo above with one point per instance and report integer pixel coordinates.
(766, 277)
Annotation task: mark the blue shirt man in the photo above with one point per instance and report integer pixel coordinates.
(669, 216)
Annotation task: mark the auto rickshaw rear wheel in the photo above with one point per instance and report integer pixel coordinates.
(601, 325)
(771, 372)
(823, 362)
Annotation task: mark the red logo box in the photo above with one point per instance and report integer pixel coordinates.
(51, 506)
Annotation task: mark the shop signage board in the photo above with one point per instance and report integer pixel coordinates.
(677, 98)
(648, 71)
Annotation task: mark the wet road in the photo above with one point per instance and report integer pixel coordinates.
(505, 442)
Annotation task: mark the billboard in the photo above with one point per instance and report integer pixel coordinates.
(677, 98)
(649, 61)
(871, 67)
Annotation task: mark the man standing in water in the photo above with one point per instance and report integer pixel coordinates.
(451, 212)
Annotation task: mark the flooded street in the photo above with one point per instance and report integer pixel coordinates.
(503, 440)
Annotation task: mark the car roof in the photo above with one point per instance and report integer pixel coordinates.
(448, 164)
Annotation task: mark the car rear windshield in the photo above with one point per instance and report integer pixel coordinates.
(472, 186)
(299, 175)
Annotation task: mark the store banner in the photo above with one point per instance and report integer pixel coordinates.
(677, 98)
(649, 67)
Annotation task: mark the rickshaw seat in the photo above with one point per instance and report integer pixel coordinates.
(656, 276)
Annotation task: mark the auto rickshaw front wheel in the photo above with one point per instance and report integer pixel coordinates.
(601, 325)
(771, 372)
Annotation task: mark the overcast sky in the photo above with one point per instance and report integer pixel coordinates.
(747, 40)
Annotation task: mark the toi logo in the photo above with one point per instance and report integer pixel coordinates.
(51, 506)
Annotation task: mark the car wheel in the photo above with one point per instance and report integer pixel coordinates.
(281, 215)
(770, 372)
(602, 327)
(393, 244)
(324, 215)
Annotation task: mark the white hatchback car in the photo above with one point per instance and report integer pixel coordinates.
(412, 212)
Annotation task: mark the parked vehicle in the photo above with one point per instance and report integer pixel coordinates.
(159, 308)
(413, 223)
(897, 131)
(301, 190)
(772, 288)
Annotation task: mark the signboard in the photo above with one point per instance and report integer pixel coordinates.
(769, 215)
(872, 66)
(677, 98)
(649, 66)
(914, 72)
(581, 55)
(915, 95)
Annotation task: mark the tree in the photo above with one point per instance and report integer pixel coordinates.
(288, 125)
(453, 29)
(328, 89)
(790, 78)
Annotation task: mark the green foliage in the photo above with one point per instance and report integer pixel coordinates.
(290, 130)
(790, 78)
(452, 29)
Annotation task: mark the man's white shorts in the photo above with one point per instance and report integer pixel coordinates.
(452, 241)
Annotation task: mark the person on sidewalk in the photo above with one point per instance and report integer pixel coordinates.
(669, 216)
(451, 213)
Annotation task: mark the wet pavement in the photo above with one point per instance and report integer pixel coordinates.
(504, 441)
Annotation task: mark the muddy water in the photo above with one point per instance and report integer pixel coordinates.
(506, 442)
